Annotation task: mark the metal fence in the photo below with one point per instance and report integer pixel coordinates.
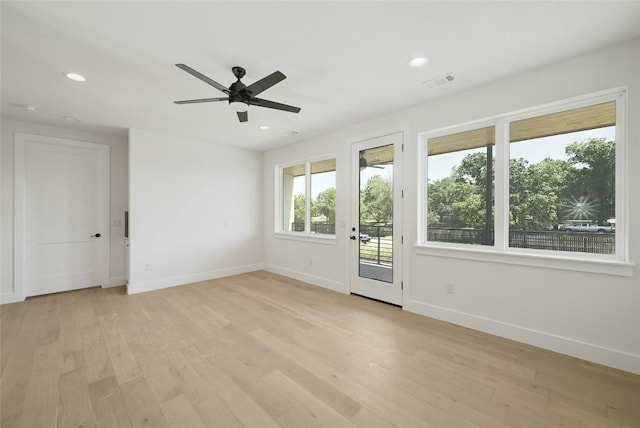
(379, 250)
(586, 242)
(593, 243)
(321, 228)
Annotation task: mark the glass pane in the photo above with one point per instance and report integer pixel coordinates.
(293, 198)
(323, 197)
(562, 184)
(460, 183)
(376, 214)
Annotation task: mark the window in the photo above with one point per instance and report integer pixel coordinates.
(562, 180)
(460, 187)
(308, 197)
(558, 171)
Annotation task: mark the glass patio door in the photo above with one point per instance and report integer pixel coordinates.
(375, 229)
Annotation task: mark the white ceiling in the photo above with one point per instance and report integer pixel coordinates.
(345, 61)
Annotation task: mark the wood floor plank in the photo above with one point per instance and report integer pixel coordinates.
(308, 410)
(74, 405)
(262, 350)
(40, 405)
(123, 362)
(180, 412)
(108, 404)
(142, 407)
(244, 408)
(214, 413)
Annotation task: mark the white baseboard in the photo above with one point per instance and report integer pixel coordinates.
(115, 282)
(7, 298)
(311, 279)
(158, 284)
(564, 345)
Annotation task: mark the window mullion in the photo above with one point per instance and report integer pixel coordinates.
(307, 199)
(501, 227)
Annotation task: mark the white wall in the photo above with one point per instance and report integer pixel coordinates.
(118, 184)
(592, 316)
(195, 210)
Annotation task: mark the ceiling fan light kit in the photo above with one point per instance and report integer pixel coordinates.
(239, 95)
(238, 106)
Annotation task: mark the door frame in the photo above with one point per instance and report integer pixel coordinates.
(21, 141)
(353, 203)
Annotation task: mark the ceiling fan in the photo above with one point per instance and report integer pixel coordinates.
(241, 96)
(364, 164)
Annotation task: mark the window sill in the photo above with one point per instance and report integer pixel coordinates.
(548, 261)
(316, 239)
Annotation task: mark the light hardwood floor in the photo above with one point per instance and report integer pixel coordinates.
(261, 350)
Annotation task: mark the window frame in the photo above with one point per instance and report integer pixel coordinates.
(617, 263)
(305, 235)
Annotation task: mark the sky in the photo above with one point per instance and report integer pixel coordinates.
(440, 166)
(534, 150)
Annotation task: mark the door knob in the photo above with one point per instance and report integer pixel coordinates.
(97, 235)
(353, 238)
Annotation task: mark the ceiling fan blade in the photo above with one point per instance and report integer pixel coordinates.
(272, 104)
(203, 77)
(202, 100)
(243, 116)
(266, 82)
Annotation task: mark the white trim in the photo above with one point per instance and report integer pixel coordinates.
(545, 260)
(310, 279)
(314, 238)
(278, 196)
(6, 298)
(19, 222)
(115, 282)
(564, 345)
(158, 284)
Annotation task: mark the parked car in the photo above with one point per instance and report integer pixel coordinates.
(364, 238)
(587, 227)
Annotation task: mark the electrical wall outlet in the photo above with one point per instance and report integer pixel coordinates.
(451, 288)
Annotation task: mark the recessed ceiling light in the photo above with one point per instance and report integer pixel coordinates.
(418, 61)
(264, 127)
(76, 77)
(70, 118)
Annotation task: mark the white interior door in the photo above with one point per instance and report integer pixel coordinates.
(376, 228)
(63, 195)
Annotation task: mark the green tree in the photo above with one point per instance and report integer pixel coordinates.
(376, 201)
(536, 192)
(325, 204)
(592, 184)
(298, 208)
(460, 199)
(540, 195)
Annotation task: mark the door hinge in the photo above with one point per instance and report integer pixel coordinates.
(402, 239)
(402, 147)
(402, 193)
(401, 285)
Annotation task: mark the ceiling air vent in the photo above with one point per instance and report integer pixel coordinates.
(439, 81)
